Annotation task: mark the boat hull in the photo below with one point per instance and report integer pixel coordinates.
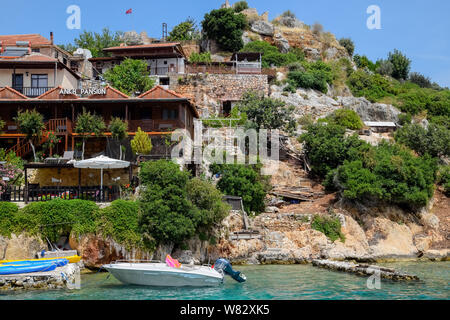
(72, 259)
(159, 275)
(21, 269)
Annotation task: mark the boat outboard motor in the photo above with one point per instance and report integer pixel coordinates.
(225, 266)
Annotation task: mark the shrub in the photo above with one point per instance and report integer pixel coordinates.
(266, 113)
(54, 218)
(330, 226)
(401, 65)
(389, 174)
(348, 44)
(362, 62)
(240, 6)
(141, 143)
(289, 14)
(326, 147)
(226, 27)
(346, 118)
(373, 87)
(120, 221)
(444, 178)
(420, 80)
(204, 57)
(316, 76)
(384, 67)
(242, 181)
(434, 140)
(317, 29)
(8, 212)
(208, 200)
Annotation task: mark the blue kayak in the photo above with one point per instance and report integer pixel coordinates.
(58, 262)
(18, 269)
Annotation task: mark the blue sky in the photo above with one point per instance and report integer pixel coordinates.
(420, 29)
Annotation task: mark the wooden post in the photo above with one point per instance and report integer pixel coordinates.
(131, 172)
(73, 143)
(79, 183)
(67, 142)
(26, 186)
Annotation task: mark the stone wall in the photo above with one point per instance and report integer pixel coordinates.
(209, 90)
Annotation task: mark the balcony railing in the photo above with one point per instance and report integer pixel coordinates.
(32, 92)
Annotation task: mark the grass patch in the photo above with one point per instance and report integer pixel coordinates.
(330, 226)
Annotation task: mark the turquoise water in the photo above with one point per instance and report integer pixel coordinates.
(268, 282)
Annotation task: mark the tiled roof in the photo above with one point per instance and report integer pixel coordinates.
(34, 39)
(53, 94)
(9, 93)
(159, 92)
(111, 93)
(34, 57)
(145, 46)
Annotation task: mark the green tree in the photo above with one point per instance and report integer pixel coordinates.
(384, 67)
(363, 62)
(390, 174)
(225, 27)
(208, 200)
(119, 131)
(186, 30)
(96, 42)
(315, 75)
(420, 80)
(130, 77)
(326, 147)
(348, 44)
(31, 124)
(242, 181)
(166, 213)
(401, 65)
(141, 143)
(89, 124)
(266, 113)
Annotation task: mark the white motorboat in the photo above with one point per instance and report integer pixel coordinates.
(161, 275)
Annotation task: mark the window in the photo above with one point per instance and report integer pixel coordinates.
(39, 80)
(36, 50)
(17, 82)
(164, 81)
(170, 114)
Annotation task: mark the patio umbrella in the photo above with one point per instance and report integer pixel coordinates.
(101, 163)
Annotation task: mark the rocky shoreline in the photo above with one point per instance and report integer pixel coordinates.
(61, 278)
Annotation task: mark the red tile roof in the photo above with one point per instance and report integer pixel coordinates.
(9, 93)
(34, 39)
(111, 93)
(53, 94)
(34, 57)
(159, 92)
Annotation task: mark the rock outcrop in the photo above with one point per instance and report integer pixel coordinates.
(370, 111)
(20, 247)
(263, 28)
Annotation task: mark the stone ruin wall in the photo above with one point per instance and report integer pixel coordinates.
(207, 91)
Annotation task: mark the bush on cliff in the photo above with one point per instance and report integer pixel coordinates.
(54, 218)
(434, 140)
(389, 173)
(121, 222)
(346, 118)
(329, 226)
(271, 55)
(8, 212)
(243, 181)
(371, 86)
(174, 208)
(225, 27)
(316, 75)
(327, 147)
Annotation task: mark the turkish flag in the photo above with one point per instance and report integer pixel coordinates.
(129, 11)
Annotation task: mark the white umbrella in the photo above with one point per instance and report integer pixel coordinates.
(101, 163)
